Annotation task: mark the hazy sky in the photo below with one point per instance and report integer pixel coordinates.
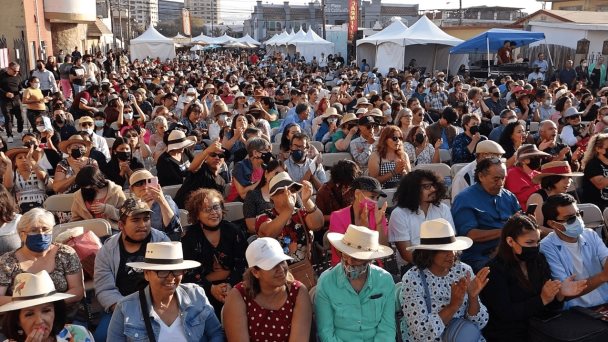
(242, 8)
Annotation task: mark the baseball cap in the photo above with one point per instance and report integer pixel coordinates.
(265, 253)
(133, 206)
(140, 175)
(370, 184)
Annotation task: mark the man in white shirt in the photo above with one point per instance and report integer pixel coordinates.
(465, 177)
(87, 124)
(91, 70)
(372, 86)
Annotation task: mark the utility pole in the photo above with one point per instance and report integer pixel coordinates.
(129, 21)
(323, 17)
(112, 21)
(460, 13)
(122, 39)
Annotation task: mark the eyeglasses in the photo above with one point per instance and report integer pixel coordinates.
(165, 274)
(372, 126)
(212, 209)
(428, 186)
(574, 117)
(216, 155)
(571, 219)
(129, 136)
(395, 139)
(86, 124)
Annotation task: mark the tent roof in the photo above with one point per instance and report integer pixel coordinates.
(311, 37)
(224, 39)
(151, 36)
(248, 39)
(396, 30)
(496, 38)
(300, 36)
(272, 39)
(424, 31)
(281, 39)
(179, 36)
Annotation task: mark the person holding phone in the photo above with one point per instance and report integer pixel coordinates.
(123, 162)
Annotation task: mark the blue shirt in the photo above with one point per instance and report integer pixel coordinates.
(474, 208)
(445, 142)
(460, 150)
(593, 252)
(345, 315)
(496, 133)
(174, 229)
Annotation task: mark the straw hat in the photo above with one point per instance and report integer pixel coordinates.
(140, 175)
(265, 253)
(489, 146)
(164, 256)
(561, 93)
(177, 139)
(31, 290)
(64, 146)
(330, 111)
(348, 117)
(439, 235)
(530, 151)
(555, 168)
(282, 180)
(571, 111)
(13, 152)
(362, 101)
(219, 107)
(360, 243)
(361, 111)
(375, 112)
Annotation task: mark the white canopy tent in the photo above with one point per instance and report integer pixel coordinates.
(247, 39)
(152, 44)
(225, 39)
(367, 48)
(311, 45)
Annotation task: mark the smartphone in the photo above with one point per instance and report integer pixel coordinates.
(153, 181)
(531, 209)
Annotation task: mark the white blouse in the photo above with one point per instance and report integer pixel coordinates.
(420, 325)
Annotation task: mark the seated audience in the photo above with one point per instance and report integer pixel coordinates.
(258, 200)
(595, 164)
(25, 178)
(519, 177)
(122, 163)
(465, 142)
(299, 166)
(65, 174)
(465, 177)
(9, 219)
(389, 161)
(361, 148)
(338, 193)
(418, 148)
(511, 139)
(172, 165)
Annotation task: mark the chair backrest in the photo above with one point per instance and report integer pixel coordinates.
(440, 169)
(277, 137)
(110, 142)
(592, 215)
(456, 167)
(98, 226)
(234, 211)
(495, 120)
(534, 126)
(276, 148)
(171, 190)
(331, 159)
(606, 216)
(183, 217)
(390, 194)
(59, 203)
(328, 146)
(318, 145)
(445, 156)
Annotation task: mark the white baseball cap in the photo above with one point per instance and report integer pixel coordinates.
(265, 253)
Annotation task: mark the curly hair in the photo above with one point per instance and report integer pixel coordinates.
(423, 258)
(8, 207)
(410, 185)
(387, 133)
(506, 136)
(194, 203)
(344, 172)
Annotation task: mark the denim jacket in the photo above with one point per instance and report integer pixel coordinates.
(197, 315)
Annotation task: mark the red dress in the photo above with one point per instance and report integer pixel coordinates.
(270, 325)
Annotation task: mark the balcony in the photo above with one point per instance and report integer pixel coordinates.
(70, 11)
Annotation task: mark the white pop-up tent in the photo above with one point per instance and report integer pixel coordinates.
(367, 48)
(225, 39)
(247, 39)
(152, 44)
(311, 45)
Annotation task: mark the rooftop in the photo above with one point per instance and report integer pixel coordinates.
(577, 17)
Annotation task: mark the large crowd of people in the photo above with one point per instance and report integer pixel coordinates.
(334, 167)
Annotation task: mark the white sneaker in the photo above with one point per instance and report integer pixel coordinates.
(10, 139)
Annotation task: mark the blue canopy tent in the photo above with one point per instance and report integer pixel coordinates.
(494, 39)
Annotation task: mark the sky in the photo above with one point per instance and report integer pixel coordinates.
(242, 8)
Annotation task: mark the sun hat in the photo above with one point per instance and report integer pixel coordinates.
(133, 206)
(282, 181)
(219, 107)
(375, 112)
(572, 112)
(530, 151)
(561, 93)
(64, 146)
(367, 183)
(439, 235)
(555, 168)
(140, 175)
(84, 119)
(489, 146)
(362, 101)
(209, 86)
(366, 120)
(164, 256)
(265, 253)
(13, 152)
(360, 243)
(330, 111)
(361, 111)
(177, 139)
(192, 91)
(31, 289)
(348, 117)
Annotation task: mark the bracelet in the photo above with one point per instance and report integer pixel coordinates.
(313, 209)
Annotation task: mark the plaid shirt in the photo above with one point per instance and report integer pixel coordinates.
(436, 100)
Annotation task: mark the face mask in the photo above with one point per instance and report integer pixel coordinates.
(222, 117)
(59, 120)
(419, 138)
(35, 85)
(123, 156)
(528, 253)
(99, 123)
(29, 144)
(76, 153)
(297, 155)
(370, 204)
(127, 116)
(574, 229)
(496, 94)
(38, 242)
(88, 130)
(534, 164)
(354, 272)
(387, 112)
(511, 121)
(548, 102)
(332, 121)
(40, 128)
(88, 194)
(474, 129)
(267, 157)
(189, 98)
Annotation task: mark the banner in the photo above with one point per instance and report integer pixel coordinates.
(186, 22)
(353, 19)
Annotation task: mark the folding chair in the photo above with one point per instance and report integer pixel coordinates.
(183, 218)
(331, 159)
(100, 227)
(59, 203)
(234, 211)
(592, 216)
(276, 148)
(445, 156)
(390, 194)
(442, 170)
(171, 190)
(456, 167)
(495, 120)
(328, 146)
(318, 145)
(110, 141)
(277, 137)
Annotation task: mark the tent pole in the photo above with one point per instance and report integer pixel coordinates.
(448, 69)
(488, 47)
(548, 53)
(434, 58)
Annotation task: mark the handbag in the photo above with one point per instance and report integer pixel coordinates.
(144, 311)
(86, 246)
(303, 270)
(458, 329)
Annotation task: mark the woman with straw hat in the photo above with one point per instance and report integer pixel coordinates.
(37, 312)
(440, 295)
(65, 173)
(354, 300)
(166, 310)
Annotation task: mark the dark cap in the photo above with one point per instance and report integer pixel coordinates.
(366, 120)
(370, 184)
(133, 206)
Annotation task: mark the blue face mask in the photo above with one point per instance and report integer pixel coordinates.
(574, 229)
(38, 242)
(297, 155)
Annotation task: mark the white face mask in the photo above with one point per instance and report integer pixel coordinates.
(222, 117)
(35, 85)
(88, 130)
(387, 112)
(548, 102)
(40, 128)
(127, 116)
(512, 120)
(189, 98)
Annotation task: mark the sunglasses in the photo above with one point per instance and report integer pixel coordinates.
(371, 126)
(165, 274)
(86, 124)
(216, 155)
(571, 219)
(395, 139)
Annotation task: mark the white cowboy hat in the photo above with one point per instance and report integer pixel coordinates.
(177, 139)
(164, 256)
(31, 290)
(265, 253)
(439, 235)
(282, 180)
(360, 243)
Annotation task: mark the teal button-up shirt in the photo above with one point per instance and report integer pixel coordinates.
(345, 315)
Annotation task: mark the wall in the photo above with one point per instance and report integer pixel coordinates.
(464, 33)
(12, 25)
(68, 35)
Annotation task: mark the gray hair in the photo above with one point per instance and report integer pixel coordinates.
(257, 144)
(160, 120)
(34, 216)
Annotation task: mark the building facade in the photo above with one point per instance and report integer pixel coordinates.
(207, 10)
(144, 12)
(579, 5)
(170, 10)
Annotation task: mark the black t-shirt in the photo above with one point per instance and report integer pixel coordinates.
(77, 71)
(112, 170)
(203, 178)
(591, 194)
(130, 280)
(170, 171)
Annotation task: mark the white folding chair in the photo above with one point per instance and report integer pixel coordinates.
(318, 145)
(390, 195)
(276, 148)
(441, 169)
(171, 190)
(59, 203)
(495, 120)
(183, 217)
(328, 146)
(445, 156)
(331, 159)
(456, 167)
(234, 211)
(100, 227)
(592, 216)
(110, 141)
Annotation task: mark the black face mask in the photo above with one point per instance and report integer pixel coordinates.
(528, 253)
(29, 144)
(88, 194)
(534, 164)
(419, 138)
(474, 129)
(76, 153)
(267, 157)
(59, 120)
(497, 94)
(123, 156)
